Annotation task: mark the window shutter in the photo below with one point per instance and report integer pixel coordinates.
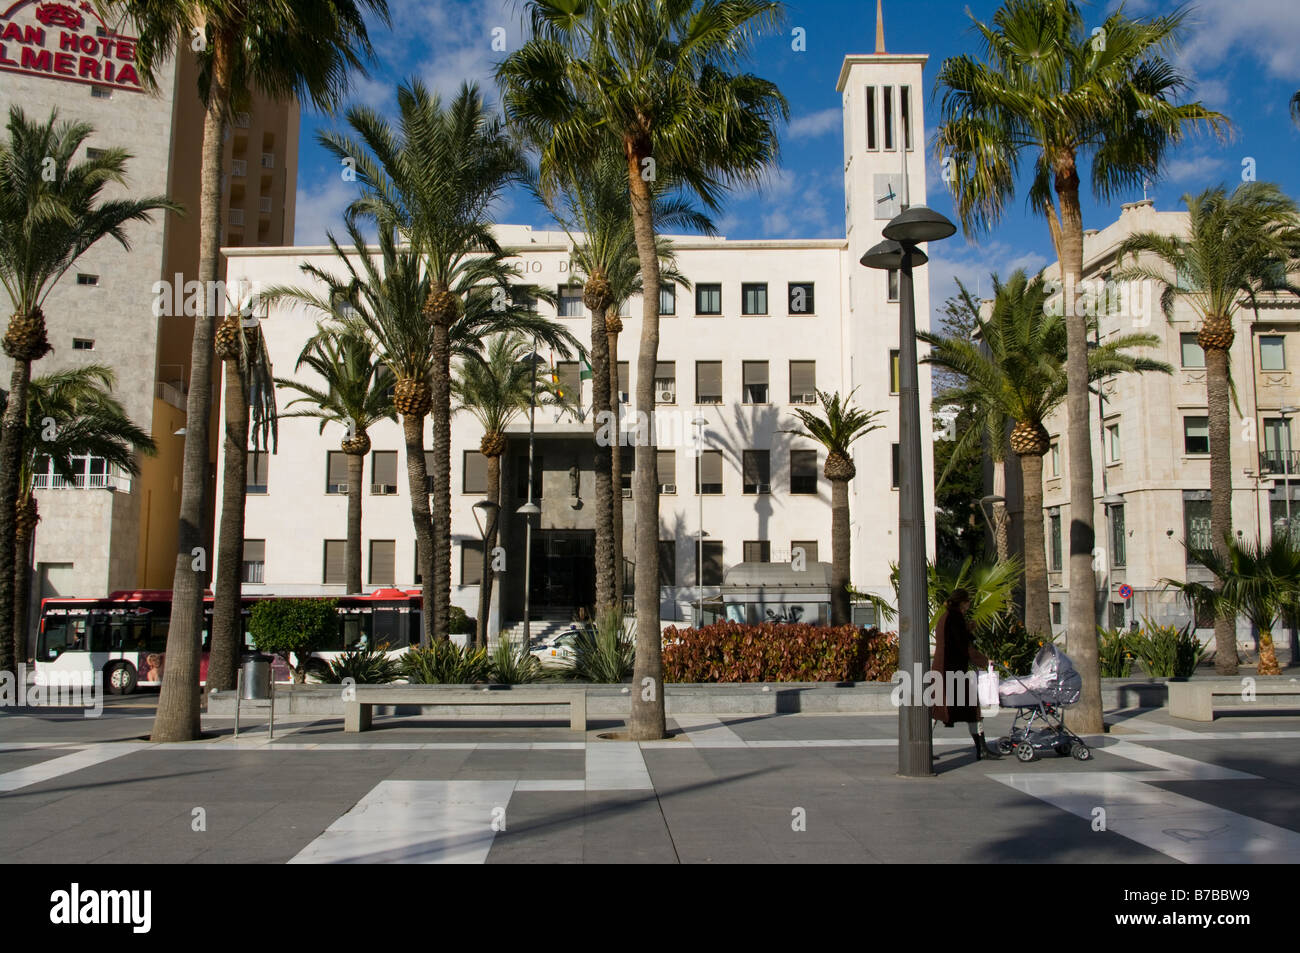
(471, 562)
(665, 371)
(384, 468)
(711, 466)
(334, 571)
(254, 550)
(755, 372)
(666, 466)
(475, 477)
(382, 558)
(338, 468)
(757, 470)
(708, 381)
(803, 378)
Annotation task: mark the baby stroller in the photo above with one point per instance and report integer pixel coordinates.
(1053, 684)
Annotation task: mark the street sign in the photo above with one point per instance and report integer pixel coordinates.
(1126, 591)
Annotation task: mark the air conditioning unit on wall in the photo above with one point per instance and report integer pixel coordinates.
(667, 397)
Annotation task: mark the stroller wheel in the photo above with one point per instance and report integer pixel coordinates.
(1025, 751)
(1063, 749)
(1081, 751)
(1005, 746)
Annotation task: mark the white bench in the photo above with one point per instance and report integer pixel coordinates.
(357, 710)
(1194, 700)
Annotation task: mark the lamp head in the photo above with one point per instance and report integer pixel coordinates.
(888, 256)
(919, 224)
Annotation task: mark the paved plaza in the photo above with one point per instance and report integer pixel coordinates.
(724, 789)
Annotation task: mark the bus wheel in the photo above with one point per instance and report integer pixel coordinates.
(120, 678)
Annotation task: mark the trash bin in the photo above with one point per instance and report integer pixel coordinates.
(257, 677)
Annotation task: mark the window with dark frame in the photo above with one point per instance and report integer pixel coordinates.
(803, 471)
(1191, 354)
(895, 371)
(471, 562)
(256, 471)
(667, 299)
(803, 382)
(254, 562)
(758, 551)
(708, 476)
(754, 381)
(383, 472)
(336, 472)
(708, 382)
(474, 478)
(667, 562)
(753, 299)
(1196, 435)
(666, 470)
(801, 299)
(871, 118)
(713, 566)
(1272, 352)
(334, 570)
(382, 557)
(1118, 537)
(757, 467)
(521, 476)
(708, 299)
(666, 382)
(896, 467)
(570, 301)
(1054, 539)
(809, 547)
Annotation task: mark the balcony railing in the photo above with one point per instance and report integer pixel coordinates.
(239, 167)
(81, 481)
(1279, 462)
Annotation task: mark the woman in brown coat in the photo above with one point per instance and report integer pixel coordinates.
(954, 652)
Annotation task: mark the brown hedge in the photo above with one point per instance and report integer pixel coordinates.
(767, 652)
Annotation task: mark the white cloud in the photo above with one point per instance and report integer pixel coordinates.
(817, 123)
(1200, 170)
(973, 264)
(319, 208)
(1245, 32)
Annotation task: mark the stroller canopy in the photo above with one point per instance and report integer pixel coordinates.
(1052, 679)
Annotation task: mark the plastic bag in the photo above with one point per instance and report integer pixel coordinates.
(988, 692)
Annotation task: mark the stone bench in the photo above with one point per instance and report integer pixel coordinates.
(1195, 700)
(357, 711)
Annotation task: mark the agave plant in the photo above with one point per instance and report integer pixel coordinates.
(513, 664)
(1167, 651)
(446, 663)
(604, 652)
(365, 666)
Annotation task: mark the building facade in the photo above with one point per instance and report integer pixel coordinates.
(106, 531)
(765, 325)
(1151, 439)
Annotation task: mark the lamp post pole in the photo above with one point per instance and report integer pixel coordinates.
(531, 507)
(899, 250)
(699, 423)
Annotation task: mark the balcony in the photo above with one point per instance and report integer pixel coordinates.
(1279, 462)
(81, 481)
(239, 167)
(236, 216)
(242, 120)
(264, 204)
(268, 160)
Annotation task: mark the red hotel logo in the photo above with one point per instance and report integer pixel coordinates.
(60, 43)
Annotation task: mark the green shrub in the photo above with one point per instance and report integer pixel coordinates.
(603, 652)
(365, 666)
(295, 627)
(1167, 651)
(512, 664)
(767, 652)
(446, 663)
(1009, 645)
(459, 623)
(1114, 653)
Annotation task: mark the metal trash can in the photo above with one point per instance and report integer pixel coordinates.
(256, 678)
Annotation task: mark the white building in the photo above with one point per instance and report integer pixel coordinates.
(765, 325)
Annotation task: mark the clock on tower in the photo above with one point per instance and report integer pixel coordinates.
(887, 194)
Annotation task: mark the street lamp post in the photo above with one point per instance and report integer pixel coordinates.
(899, 250)
(699, 423)
(485, 515)
(530, 509)
(986, 510)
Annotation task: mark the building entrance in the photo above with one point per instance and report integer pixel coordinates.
(564, 569)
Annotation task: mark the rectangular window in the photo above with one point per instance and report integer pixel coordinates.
(905, 115)
(1117, 615)
(1056, 613)
(713, 570)
(629, 466)
(871, 118)
(708, 299)
(570, 303)
(666, 382)
(1055, 465)
(1277, 447)
(758, 551)
(1196, 435)
(667, 299)
(83, 344)
(708, 382)
(754, 378)
(84, 279)
(419, 577)
(521, 476)
(753, 299)
(471, 562)
(430, 461)
(101, 92)
(809, 547)
(757, 466)
(666, 470)
(1272, 352)
(382, 557)
(1118, 537)
(624, 382)
(896, 467)
(1192, 354)
(1196, 524)
(801, 297)
(1112, 443)
(383, 472)
(1054, 540)
(892, 293)
(524, 296)
(709, 473)
(569, 381)
(803, 471)
(254, 560)
(895, 371)
(255, 474)
(887, 113)
(336, 472)
(333, 573)
(93, 153)
(667, 562)
(474, 473)
(803, 382)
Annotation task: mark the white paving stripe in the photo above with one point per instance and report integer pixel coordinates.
(56, 767)
(414, 822)
(617, 766)
(1185, 768)
(708, 731)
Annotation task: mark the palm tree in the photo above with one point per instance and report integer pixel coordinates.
(836, 427)
(1237, 246)
(282, 49)
(1049, 89)
(494, 389)
(1295, 107)
(1016, 371)
(70, 413)
(1261, 580)
(433, 182)
(356, 392)
(51, 212)
(661, 78)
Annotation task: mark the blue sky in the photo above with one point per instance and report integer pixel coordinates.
(1242, 55)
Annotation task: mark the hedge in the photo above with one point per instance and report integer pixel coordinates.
(767, 652)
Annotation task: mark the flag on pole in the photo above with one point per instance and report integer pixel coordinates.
(584, 374)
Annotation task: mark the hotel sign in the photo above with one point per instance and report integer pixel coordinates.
(66, 42)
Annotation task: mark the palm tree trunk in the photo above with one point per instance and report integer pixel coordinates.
(1038, 617)
(489, 542)
(352, 548)
(604, 516)
(840, 553)
(11, 448)
(441, 413)
(1081, 632)
(178, 702)
(1217, 403)
(227, 619)
(646, 722)
(417, 482)
(1267, 655)
(23, 539)
(616, 469)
